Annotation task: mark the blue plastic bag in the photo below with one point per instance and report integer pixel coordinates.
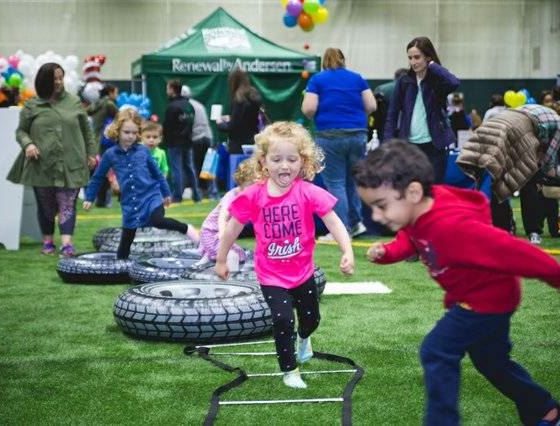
(210, 165)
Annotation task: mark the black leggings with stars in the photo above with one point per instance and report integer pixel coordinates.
(282, 303)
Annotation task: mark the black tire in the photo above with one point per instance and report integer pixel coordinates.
(247, 274)
(159, 269)
(193, 311)
(94, 268)
(107, 239)
(153, 245)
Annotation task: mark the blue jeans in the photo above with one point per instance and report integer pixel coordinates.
(181, 162)
(342, 150)
(485, 338)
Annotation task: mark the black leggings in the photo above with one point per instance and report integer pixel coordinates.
(157, 220)
(282, 303)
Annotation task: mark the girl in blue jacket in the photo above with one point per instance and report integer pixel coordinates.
(417, 111)
(144, 190)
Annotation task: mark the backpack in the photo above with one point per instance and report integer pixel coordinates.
(187, 118)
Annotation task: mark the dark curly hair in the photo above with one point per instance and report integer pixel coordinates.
(396, 163)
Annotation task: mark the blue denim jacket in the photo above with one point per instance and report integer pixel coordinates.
(435, 86)
(142, 185)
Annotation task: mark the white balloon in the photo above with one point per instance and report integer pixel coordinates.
(71, 84)
(71, 62)
(3, 64)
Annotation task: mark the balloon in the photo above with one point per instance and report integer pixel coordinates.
(305, 22)
(311, 6)
(3, 64)
(294, 8)
(284, 3)
(514, 99)
(531, 101)
(290, 21)
(91, 91)
(306, 46)
(154, 118)
(13, 60)
(71, 62)
(322, 2)
(15, 79)
(305, 74)
(321, 16)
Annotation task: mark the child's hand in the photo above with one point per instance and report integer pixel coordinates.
(115, 187)
(167, 201)
(347, 264)
(87, 205)
(375, 252)
(222, 270)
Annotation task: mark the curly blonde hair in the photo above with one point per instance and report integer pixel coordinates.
(127, 114)
(312, 156)
(245, 173)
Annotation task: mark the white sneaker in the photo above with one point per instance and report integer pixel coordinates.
(326, 238)
(358, 229)
(535, 238)
(293, 379)
(193, 234)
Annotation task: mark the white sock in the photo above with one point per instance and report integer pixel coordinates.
(304, 352)
(293, 379)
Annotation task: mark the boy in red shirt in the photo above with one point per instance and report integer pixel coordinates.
(478, 266)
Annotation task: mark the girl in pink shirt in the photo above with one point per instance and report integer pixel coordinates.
(281, 205)
(215, 223)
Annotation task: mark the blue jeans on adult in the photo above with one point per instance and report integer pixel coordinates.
(342, 150)
(485, 338)
(181, 162)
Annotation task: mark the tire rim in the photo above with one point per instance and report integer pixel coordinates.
(197, 290)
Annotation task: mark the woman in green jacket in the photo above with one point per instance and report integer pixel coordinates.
(58, 149)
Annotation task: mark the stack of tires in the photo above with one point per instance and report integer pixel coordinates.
(104, 268)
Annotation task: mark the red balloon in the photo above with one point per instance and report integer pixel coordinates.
(154, 118)
(306, 46)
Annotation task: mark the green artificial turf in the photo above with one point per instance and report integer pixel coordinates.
(63, 360)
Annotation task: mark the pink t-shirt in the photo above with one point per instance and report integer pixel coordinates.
(284, 229)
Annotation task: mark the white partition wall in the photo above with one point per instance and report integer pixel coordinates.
(17, 211)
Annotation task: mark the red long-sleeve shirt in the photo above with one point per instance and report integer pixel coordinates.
(474, 262)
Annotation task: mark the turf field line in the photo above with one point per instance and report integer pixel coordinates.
(302, 372)
(281, 401)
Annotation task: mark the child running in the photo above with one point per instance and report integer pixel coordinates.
(281, 205)
(151, 138)
(477, 265)
(144, 190)
(213, 227)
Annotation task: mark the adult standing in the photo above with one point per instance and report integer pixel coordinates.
(417, 111)
(57, 149)
(102, 113)
(177, 138)
(245, 103)
(339, 101)
(201, 138)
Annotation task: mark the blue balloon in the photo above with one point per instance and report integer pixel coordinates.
(146, 103)
(531, 101)
(289, 20)
(122, 99)
(144, 113)
(322, 2)
(526, 93)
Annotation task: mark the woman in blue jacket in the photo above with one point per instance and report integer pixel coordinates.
(417, 111)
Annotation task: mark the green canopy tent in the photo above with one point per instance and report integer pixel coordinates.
(203, 56)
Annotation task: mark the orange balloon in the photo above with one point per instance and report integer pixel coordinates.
(305, 22)
(305, 74)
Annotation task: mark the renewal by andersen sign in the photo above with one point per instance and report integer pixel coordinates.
(223, 65)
